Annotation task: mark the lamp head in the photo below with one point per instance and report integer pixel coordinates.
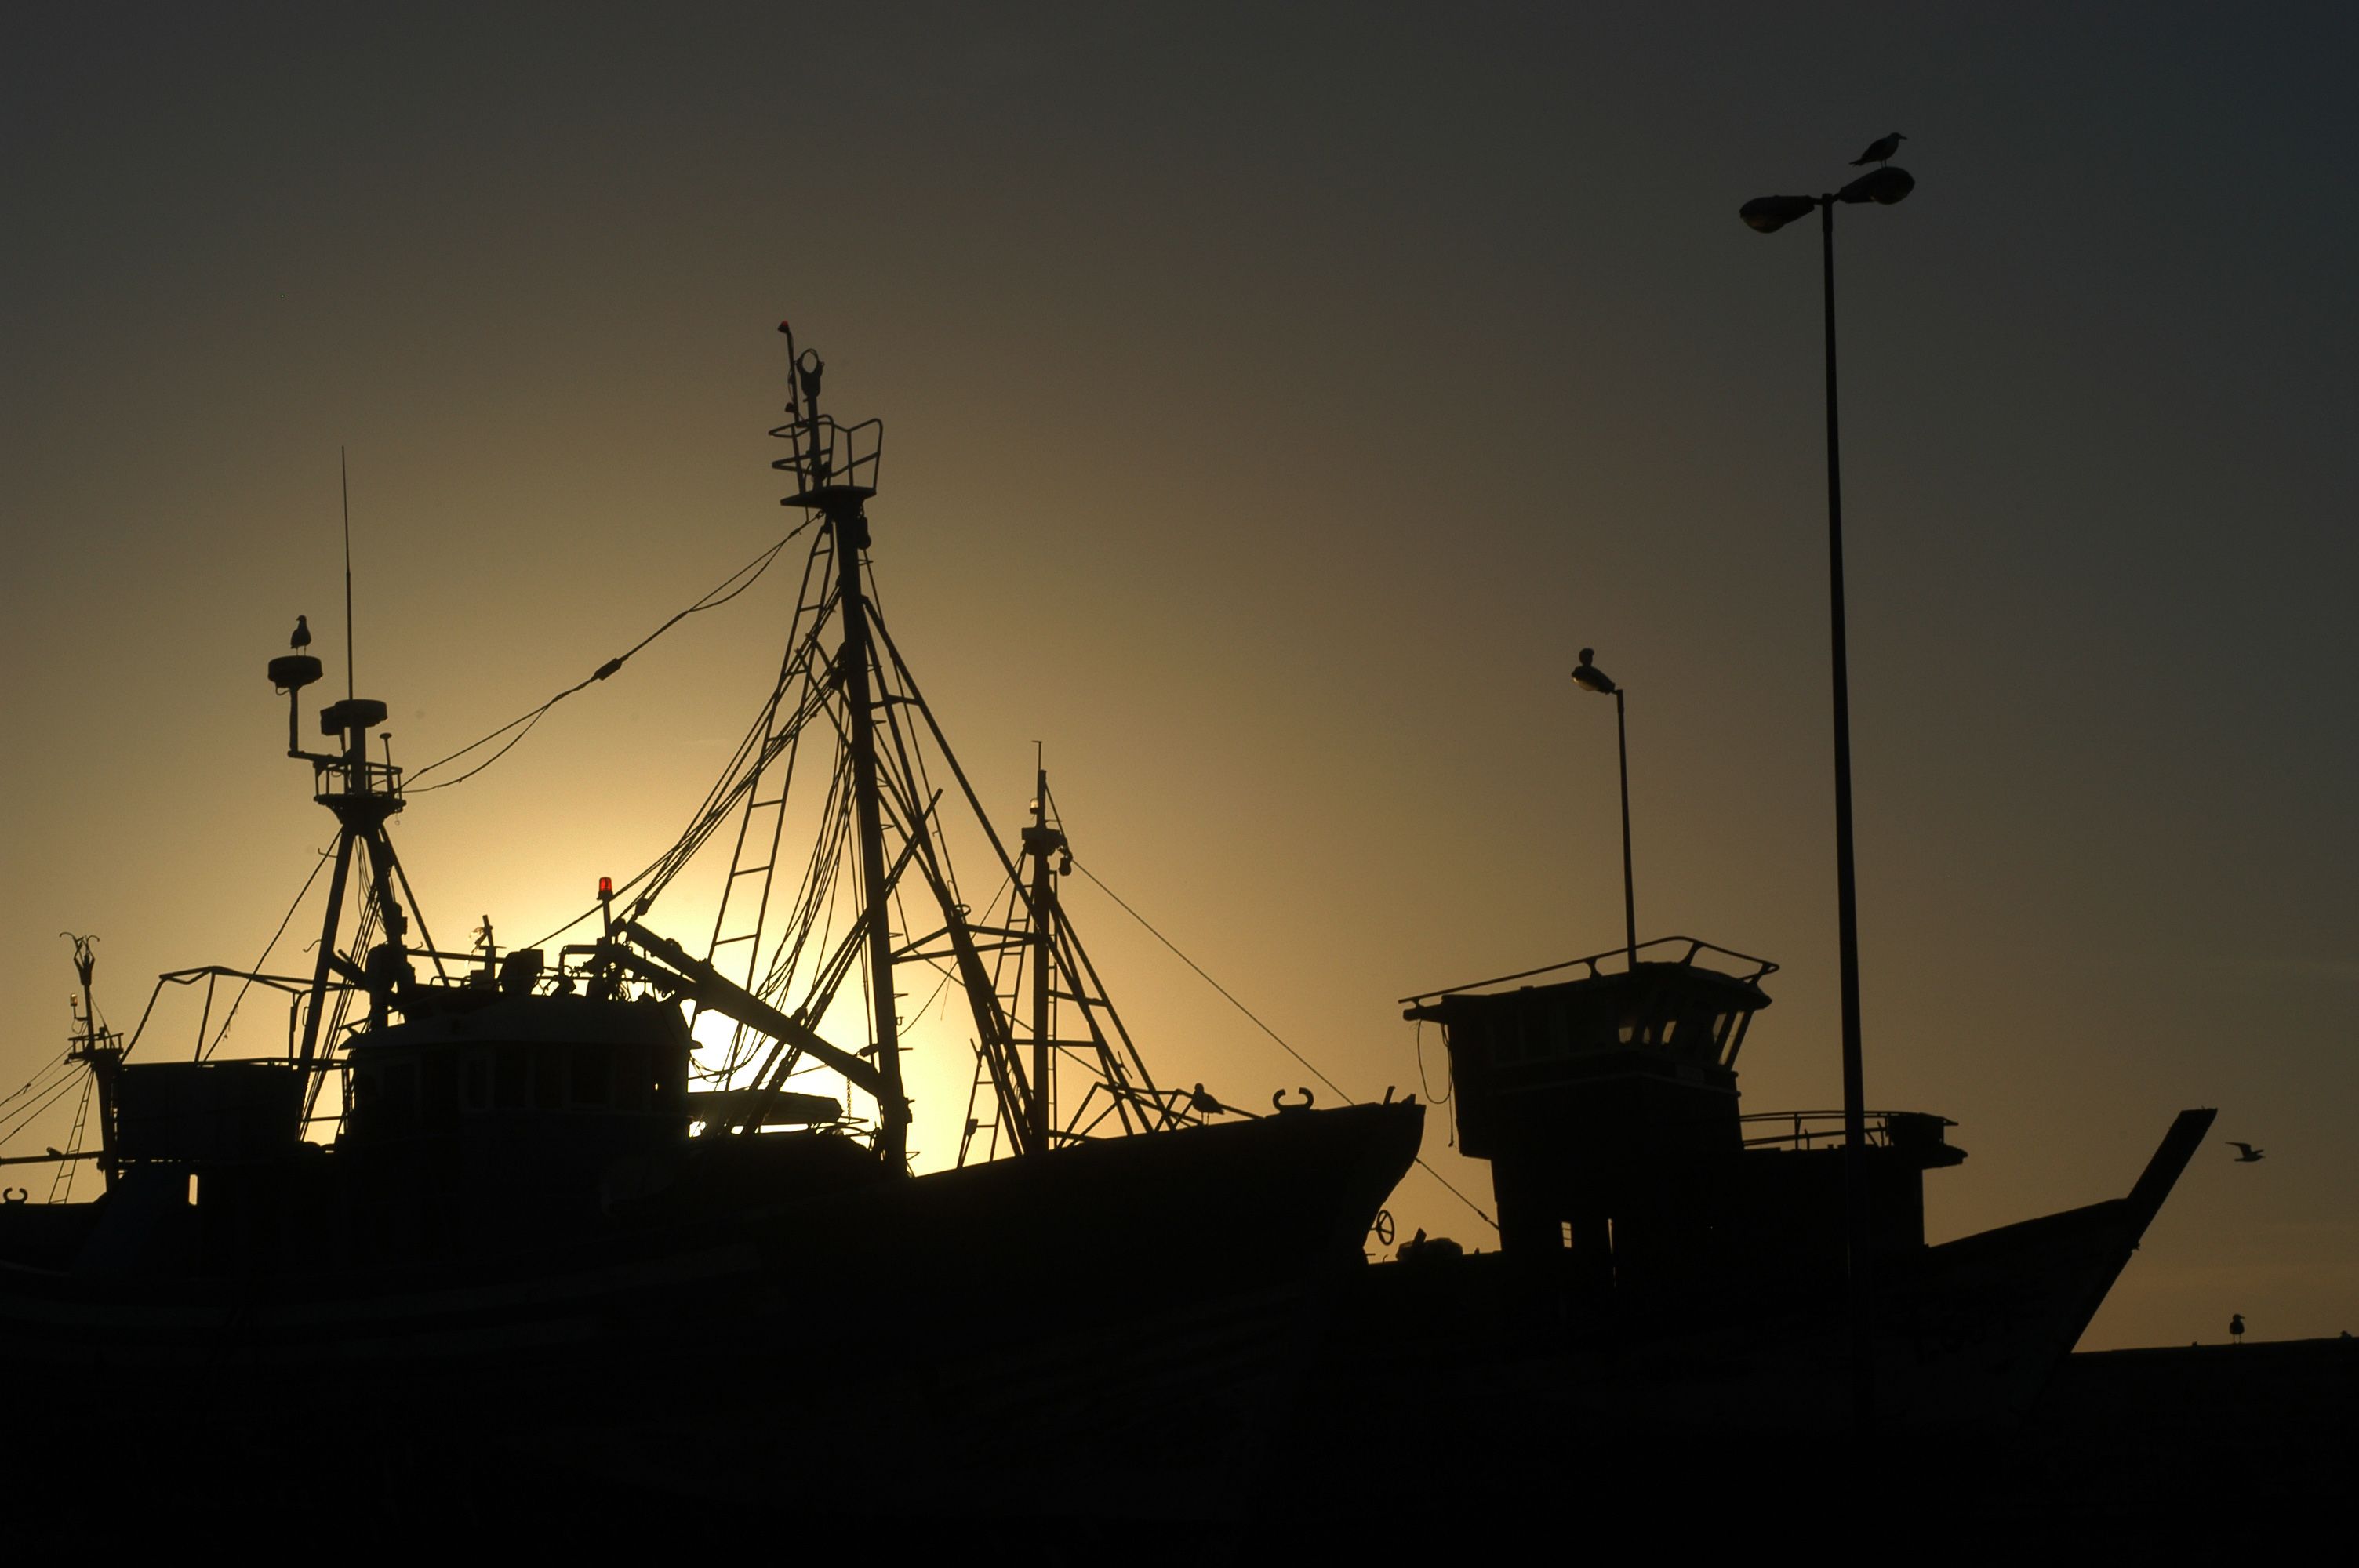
(1767, 214)
(1882, 186)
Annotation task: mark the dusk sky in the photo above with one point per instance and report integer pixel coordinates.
(1277, 400)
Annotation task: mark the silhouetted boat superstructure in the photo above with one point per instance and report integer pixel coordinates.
(519, 1229)
(1606, 1103)
(1672, 1269)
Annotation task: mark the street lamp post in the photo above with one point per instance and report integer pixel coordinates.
(1767, 214)
(1590, 678)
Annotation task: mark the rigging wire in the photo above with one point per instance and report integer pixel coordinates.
(720, 803)
(1308, 1065)
(1265, 1028)
(62, 1184)
(62, 1056)
(721, 595)
(33, 1111)
(288, 919)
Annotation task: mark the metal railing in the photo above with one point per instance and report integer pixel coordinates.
(829, 456)
(1808, 1129)
(1695, 947)
(337, 777)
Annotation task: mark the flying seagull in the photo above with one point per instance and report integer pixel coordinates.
(2249, 1154)
(302, 638)
(1880, 151)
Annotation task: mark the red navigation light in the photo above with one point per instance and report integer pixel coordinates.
(605, 887)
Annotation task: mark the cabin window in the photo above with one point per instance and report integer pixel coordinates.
(548, 1076)
(592, 1068)
(509, 1070)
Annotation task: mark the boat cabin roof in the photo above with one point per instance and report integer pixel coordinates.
(531, 1020)
(1686, 998)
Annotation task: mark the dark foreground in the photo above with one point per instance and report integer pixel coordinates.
(2238, 1445)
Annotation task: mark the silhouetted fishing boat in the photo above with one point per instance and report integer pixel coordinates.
(1674, 1273)
(543, 1229)
(532, 1231)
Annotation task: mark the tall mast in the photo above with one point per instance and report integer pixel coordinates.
(363, 795)
(100, 1048)
(835, 474)
(1040, 841)
(850, 526)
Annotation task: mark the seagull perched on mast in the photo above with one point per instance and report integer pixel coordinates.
(2249, 1154)
(1880, 150)
(302, 638)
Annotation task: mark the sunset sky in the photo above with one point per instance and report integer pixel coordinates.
(1277, 399)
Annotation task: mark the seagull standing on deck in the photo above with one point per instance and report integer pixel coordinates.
(1880, 150)
(2249, 1154)
(302, 638)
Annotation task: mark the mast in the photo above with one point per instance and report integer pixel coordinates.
(363, 795)
(851, 529)
(101, 1050)
(1040, 841)
(830, 464)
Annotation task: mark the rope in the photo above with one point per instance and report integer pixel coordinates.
(722, 594)
(736, 778)
(32, 1112)
(1273, 1034)
(263, 962)
(1423, 1081)
(35, 1079)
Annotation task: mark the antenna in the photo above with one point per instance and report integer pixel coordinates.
(344, 478)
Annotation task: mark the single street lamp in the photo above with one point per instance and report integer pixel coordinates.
(1767, 214)
(1590, 678)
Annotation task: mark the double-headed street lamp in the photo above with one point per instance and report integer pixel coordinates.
(1590, 678)
(1767, 214)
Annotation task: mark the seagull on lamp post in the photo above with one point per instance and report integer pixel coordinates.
(1590, 676)
(302, 637)
(1880, 150)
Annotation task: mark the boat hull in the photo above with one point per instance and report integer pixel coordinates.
(1140, 1305)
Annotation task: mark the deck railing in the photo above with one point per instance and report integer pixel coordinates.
(1808, 1129)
